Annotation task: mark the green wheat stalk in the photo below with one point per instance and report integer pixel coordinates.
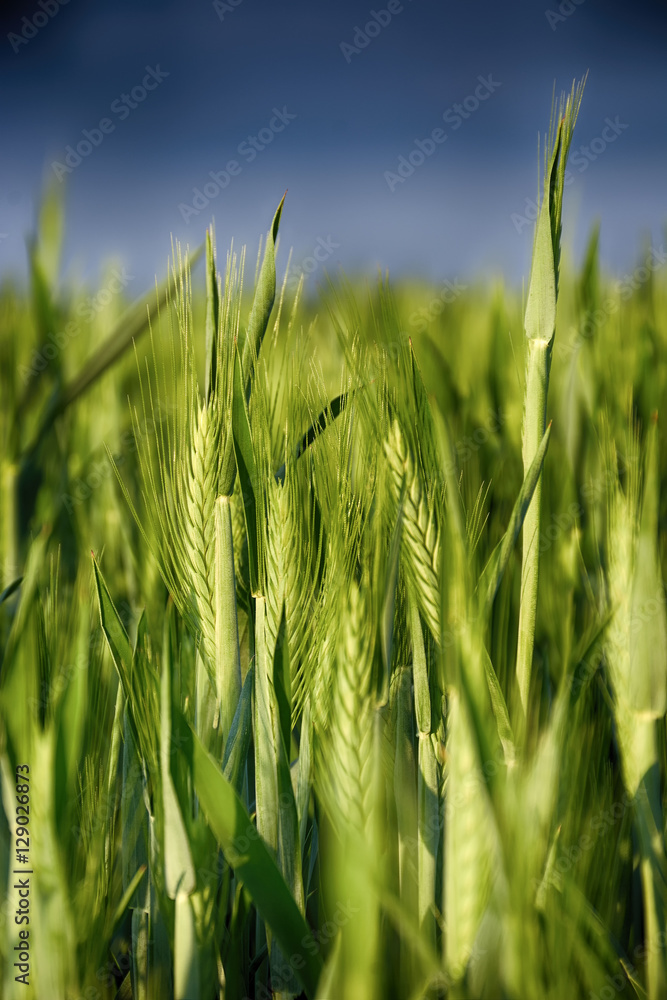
(540, 328)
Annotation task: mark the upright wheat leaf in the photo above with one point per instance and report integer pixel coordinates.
(540, 328)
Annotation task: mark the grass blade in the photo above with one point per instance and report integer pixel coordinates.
(252, 862)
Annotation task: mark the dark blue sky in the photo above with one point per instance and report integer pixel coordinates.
(356, 113)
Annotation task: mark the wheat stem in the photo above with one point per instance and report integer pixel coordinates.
(537, 381)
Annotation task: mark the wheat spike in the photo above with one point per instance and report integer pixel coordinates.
(201, 483)
(420, 534)
(289, 552)
(353, 715)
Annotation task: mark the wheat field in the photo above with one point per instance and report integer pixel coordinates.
(333, 638)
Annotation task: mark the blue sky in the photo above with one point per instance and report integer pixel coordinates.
(351, 103)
